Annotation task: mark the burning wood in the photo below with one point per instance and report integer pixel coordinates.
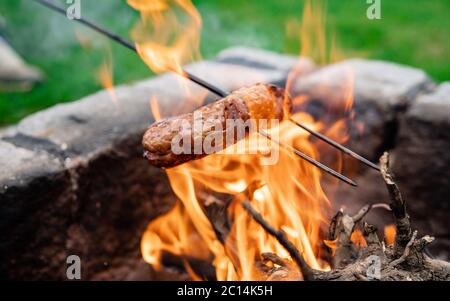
(403, 261)
(282, 239)
(362, 259)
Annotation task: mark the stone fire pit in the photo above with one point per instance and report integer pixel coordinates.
(73, 180)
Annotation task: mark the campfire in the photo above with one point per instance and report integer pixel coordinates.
(251, 221)
(216, 228)
(238, 217)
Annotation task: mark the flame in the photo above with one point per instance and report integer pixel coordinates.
(315, 43)
(332, 244)
(176, 235)
(358, 239)
(104, 73)
(290, 199)
(167, 37)
(155, 108)
(288, 194)
(83, 38)
(105, 76)
(168, 34)
(389, 234)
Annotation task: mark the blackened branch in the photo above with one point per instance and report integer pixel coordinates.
(307, 272)
(398, 207)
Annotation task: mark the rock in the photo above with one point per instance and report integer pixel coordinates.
(21, 165)
(380, 90)
(28, 181)
(15, 74)
(259, 58)
(232, 76)
(422, 159)
(433, 108)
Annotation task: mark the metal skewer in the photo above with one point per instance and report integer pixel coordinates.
(129, 45)
(222, 93)
(310, 160)
(335, 144)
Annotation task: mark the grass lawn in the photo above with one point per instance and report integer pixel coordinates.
(413, 32)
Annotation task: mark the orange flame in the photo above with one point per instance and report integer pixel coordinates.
(389, 234)
(84, 39)
(155, 108)
(296, 208)
(288, 194)
(168, 34)
(105, 76)
(104, 73)
(172, 233)
(358, 239)
(332, 245)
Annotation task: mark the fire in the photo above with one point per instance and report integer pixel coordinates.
(288, 194)
(389, 234)
(84, 39)
(105, 72)
(332, 245)
(315, 44)
(155, 108)
(168, 34)
(358, 239)
(105, 77)
(176, 235)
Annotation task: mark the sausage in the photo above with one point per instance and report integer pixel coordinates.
(257, 102)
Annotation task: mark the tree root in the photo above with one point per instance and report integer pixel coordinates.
(405, 260)
(370, 259)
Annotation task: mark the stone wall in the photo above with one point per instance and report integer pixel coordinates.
(404, 112)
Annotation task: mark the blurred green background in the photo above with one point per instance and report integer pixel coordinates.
(412, 32)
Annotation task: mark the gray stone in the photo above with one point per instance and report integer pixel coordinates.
(380, 90)
(433, 108)
(29, 182)
(422, 159)
(15, 74)
(19, 166)
(259, 58)
(231, 76)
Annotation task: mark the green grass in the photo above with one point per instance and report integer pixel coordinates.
(413, 32)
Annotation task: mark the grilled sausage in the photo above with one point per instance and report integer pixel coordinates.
(256, 102)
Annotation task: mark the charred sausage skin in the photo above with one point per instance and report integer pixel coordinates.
(257, 102)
